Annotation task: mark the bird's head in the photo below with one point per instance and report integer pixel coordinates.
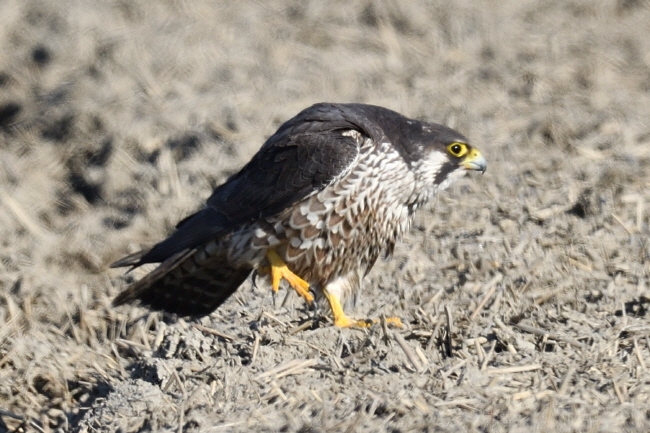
(436, 154)
(445, 155)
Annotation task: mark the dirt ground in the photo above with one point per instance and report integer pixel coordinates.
(524, 291)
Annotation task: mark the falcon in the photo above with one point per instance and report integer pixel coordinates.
(333, 189)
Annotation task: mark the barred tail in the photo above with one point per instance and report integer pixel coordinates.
(189, 283)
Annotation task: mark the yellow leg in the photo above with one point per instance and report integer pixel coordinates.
(279, 270)
(340, 319)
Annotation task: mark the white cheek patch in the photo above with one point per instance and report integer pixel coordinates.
(431, 165)
(451, 177)
(426, 172)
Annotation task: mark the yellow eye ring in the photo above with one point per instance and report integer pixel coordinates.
(457, 149)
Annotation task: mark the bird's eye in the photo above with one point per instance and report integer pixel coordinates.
(457, 149)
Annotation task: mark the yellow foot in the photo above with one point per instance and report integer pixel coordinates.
(395, 321)
(279, 270)
(346, 322)
(343, 321)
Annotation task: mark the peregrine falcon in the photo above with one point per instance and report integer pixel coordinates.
(331, 190)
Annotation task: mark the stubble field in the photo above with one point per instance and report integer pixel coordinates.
(524, 291)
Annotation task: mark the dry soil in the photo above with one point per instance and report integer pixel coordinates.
(524, 291)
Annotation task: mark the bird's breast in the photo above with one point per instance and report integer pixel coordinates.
(346, 225)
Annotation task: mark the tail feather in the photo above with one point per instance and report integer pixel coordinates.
(189, 283)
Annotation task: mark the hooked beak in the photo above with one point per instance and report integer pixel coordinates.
(475, 161)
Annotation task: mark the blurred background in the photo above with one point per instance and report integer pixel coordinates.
(117, 118)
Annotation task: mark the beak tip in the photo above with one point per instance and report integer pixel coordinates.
(476, 163)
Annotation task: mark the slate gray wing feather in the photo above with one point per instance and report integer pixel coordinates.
(299, 160)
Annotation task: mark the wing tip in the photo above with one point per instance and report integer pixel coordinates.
(133, 260)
